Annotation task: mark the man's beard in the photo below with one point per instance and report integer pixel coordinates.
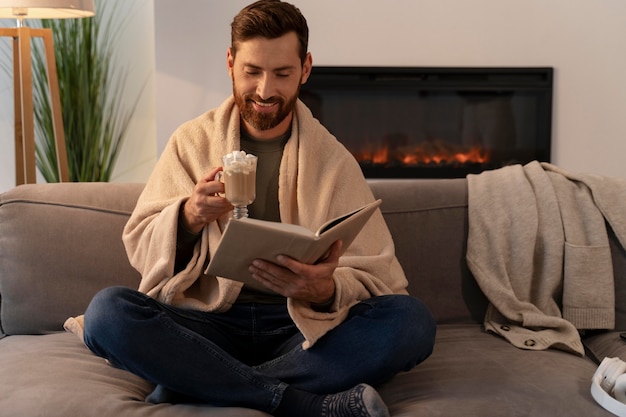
(264, 121)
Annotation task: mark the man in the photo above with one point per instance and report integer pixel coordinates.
(320, 336)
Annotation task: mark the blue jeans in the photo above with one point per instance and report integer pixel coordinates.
(249, 354)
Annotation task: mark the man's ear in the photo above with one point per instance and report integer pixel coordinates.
(306, 68)
(230, 62)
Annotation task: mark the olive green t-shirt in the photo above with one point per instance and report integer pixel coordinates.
(269, 154)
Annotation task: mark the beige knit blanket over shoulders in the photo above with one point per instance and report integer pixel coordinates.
(538, 248)
(318, 180)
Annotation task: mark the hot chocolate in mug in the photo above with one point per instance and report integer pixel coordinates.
(239, 178)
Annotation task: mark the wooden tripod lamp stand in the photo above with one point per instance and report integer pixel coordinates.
(25, 166)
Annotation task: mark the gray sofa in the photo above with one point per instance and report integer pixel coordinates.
(60, 244)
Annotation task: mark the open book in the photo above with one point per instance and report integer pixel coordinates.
(247, 239)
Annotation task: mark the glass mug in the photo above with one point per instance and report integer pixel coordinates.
(239, 178)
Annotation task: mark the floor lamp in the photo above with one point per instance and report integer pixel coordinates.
(25, 166)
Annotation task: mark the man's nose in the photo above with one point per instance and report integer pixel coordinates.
(264, 87)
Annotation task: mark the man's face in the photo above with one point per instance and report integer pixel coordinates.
(267, 74)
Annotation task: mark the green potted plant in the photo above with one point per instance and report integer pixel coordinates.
(96, 112)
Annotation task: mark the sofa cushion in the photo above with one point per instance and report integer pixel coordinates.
(56, 375)
(473, 373)
(429, 228)
(59, 245)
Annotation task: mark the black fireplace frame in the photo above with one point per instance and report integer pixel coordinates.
(466, 80)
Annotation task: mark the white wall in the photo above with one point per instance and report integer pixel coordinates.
(139, 151)
(585, 41)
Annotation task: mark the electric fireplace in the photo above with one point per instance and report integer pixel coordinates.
(434, 122)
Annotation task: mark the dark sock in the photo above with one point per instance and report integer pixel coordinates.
(360, 401)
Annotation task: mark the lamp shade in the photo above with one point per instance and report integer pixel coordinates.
(46, 9)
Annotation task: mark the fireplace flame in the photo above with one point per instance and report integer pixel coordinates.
(426, 153)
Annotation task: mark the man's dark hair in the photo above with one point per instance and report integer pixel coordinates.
(269, 19)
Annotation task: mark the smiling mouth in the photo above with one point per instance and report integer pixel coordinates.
(262, 106)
